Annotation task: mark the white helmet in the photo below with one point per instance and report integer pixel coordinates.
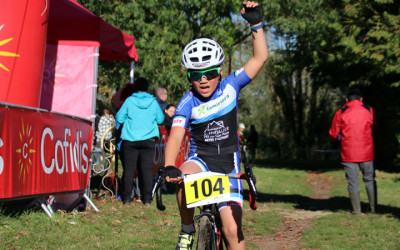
(201, 54)
(241, 125)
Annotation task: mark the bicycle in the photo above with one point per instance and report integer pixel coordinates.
(210, 234)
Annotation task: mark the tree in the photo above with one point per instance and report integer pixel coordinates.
(161, 30)
(346, 43)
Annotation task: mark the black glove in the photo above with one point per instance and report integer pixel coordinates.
(252, 15)
(172, 172)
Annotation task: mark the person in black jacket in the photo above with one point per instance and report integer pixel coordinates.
(169, 113)
(252, 141)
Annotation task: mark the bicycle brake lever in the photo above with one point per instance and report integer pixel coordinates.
(157, 188)
(159, 180)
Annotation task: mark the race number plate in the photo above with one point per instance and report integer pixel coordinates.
(206, 188)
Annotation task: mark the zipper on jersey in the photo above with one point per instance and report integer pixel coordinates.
(218, 149)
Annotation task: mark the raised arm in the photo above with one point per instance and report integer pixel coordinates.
(252, 13)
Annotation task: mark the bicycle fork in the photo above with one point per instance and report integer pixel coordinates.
(207, 211)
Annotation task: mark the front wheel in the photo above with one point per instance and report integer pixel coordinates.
(206, 239)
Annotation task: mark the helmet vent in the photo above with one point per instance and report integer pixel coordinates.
(206, 48)
(194, 59)
(194, 50)
(206, 58)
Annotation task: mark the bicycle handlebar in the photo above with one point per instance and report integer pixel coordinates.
(248, 176)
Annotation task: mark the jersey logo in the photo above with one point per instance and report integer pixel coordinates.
(216, 131)
(201, 110)
(237, 72)
(224, 102)
(179, 121)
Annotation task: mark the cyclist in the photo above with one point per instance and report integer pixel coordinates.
(209, 109)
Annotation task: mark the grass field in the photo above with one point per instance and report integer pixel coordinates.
(282, 187)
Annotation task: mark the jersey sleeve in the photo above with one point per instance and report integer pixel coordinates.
(240, 78)
(183, 111)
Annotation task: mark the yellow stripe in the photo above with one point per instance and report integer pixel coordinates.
(4, 67)
(5, 41)
(5, 53)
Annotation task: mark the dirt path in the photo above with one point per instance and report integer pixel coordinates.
(295, 222)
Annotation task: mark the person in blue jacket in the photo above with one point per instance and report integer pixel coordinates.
(140, 115)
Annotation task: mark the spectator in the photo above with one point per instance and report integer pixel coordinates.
(169, 113)
(353, 126)
(162, 96)
(139, 115)
(117, 100)
(106, 121)
(252, 141)
(242, 139)
(120, 96)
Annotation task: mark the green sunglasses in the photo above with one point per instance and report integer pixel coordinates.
(198, 75)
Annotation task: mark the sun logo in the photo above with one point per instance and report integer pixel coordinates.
(49, 73)
(25, 159)
(6, 53)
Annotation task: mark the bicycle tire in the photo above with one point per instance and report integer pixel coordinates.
(206, 237)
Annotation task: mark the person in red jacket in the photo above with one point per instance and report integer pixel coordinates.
(353, 126)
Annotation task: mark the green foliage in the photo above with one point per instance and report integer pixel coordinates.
(360, 40)
(161, 30)
(342, 44)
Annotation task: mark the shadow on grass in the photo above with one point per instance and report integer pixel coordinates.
(306, 165)
(333, 204)
(316, 165)
(16, 208)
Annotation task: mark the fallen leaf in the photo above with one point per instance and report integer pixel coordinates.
(23, 233)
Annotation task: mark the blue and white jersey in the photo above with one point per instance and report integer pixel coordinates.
(213, 120)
